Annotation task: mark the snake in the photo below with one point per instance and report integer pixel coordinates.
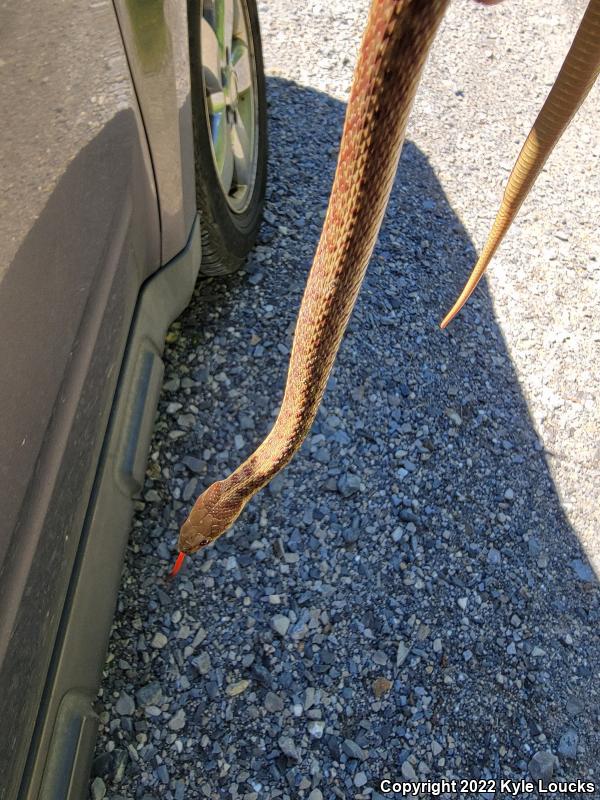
(392, 55)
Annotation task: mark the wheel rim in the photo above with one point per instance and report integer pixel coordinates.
(229, 83)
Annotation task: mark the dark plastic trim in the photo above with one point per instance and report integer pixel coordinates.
(62, 747)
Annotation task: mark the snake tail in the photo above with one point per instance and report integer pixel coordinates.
(394, 48)
(575, 79)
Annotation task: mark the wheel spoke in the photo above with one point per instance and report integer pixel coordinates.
(211, 64)
(240, 58)
(242, 155)
(216, 102)
(224, 13)
(223, 150)
(229, 78)
(239, 22)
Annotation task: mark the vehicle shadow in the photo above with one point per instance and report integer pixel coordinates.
(417, 538)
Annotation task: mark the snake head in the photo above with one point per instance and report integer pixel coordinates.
(213, 513)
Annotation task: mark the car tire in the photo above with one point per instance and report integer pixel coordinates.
(230, 128)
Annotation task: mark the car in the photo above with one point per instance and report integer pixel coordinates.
(134, 157)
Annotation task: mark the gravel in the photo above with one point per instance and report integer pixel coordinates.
(541, 766)
(416, 595)
(125, 705)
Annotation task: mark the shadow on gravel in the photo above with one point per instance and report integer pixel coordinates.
(417, 539)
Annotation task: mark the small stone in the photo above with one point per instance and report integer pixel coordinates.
(190, 490)
(348, 484)
(121, 759)
(397, 535)
(493, 557)
(246, 422)
(194, 464)
(199, 637)
(454, 416)
(509, 495)
(381, 686)
(280, 624)
(316, 794)
(273, 703)
(98, 789)
(276, 485)
(406, 515)
(103, 765)
(534, 546)
(316, 728)
(437, 645)
(162, 773)
(541, 766)
(323, 456)
(360, 779)
(202, 663)
(159, 640)
(237, 688)
(583, 571)
(125, 705)
(568, 744)
(462, 603)
(436, 748)
(423, 632)
(575, 706)
(379, 657)
(350, 536)
(288, 748)
(401, 654)
(177, 721)
(309, 697)
(354, 750)
(408, 771)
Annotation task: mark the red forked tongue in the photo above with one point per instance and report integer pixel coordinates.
(177, 565)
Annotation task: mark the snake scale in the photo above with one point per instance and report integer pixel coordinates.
(395, 45)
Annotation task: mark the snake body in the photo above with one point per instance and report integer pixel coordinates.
(575, 79)
(395, 45)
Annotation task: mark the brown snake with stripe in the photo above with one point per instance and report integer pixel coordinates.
(394, 49)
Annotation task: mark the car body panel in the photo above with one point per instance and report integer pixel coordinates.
(79, 235)
(156, 40)
(65, 732)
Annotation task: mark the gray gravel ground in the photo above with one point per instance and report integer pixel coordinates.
(416, 595)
